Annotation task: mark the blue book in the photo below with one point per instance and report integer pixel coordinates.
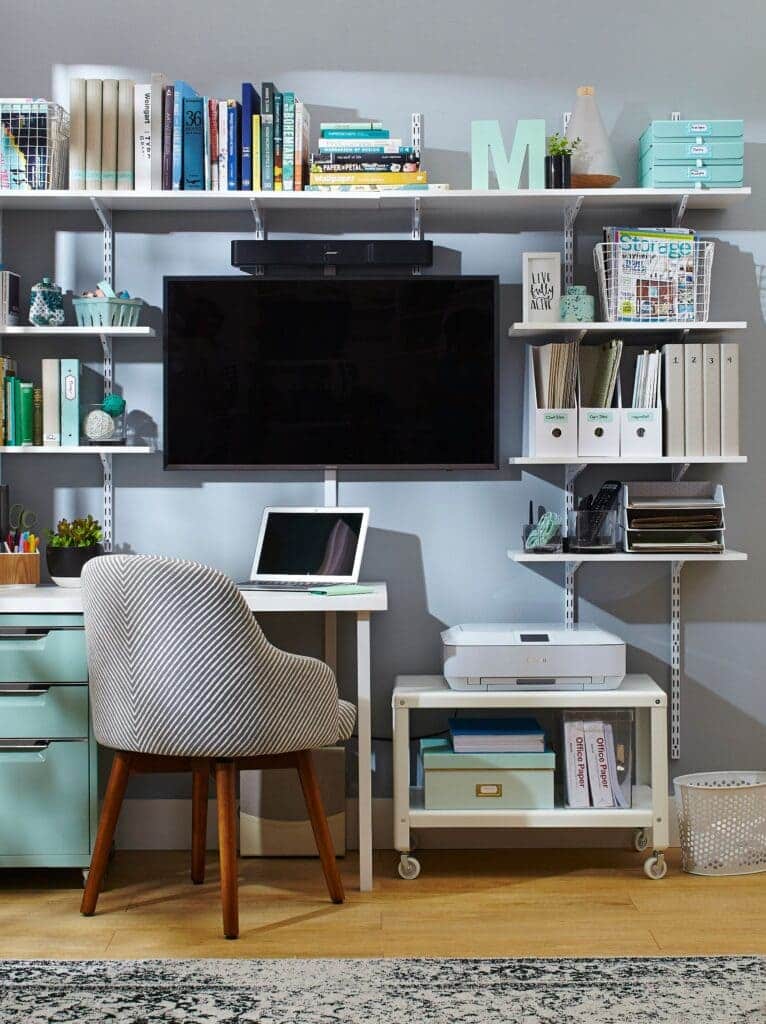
(70, 401)
(182, 90)
(194, 144)
(251, 104)
(233, 121)
(502, 735)
(356, 133)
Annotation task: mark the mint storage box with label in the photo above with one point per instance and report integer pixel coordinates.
(48, 785)
(547, 432)
(698, 154)
(461, 782)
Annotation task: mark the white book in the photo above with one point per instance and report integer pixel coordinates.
(109, 134)
(711, 398)
(729, 398)
(223, 145)
(598, 765)
(693, 418)
(93, 115)
(125, 127)
(157, 87)
(77, 133)
(576, 764)
(673, 362)
(614, 778)
(142, 114)
(359, 145)
(208, 172)
(51, 403)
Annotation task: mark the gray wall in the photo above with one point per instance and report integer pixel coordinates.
(438, 539)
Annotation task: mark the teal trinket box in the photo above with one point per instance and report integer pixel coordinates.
(46, 304)
(577, 305)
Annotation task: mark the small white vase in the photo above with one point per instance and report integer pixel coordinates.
(593, 162)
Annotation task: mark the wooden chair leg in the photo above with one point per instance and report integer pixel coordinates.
(315, 807)
(110, 812)
(225, 788)
(200, 781)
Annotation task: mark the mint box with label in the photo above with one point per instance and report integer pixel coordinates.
(691, 176)
(458, 782)
(547, 432)
(701, 153)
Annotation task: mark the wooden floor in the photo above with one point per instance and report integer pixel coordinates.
(510, 903)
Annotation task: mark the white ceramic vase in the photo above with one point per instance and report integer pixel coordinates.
(593, 161)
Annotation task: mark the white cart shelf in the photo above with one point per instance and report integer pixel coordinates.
(649, 810)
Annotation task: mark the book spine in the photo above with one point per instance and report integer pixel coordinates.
(16, 411)
(288, 142)
(233, 115)
(110, 92)
(393, 146)
(673, 361)
(157, 86)
(51, 372)
(37, 399)
(267, 136)
(27, 412)
(598, 766)
(711, 401)
(182, 90)
(125, 148)
(10, 303)
(278, 141)
(250, 107)
(256, 128)
(324, 163)
(3, 372)
(10, 410)
(142, 111)
(206, 143)
(193, 144)
(93, 114)
(213, 118)
(348, 126)
(77, 133)
(365, 178)
(70, 401)
(223, 145)
(576, 764)
(167, 138)
(729, 398)
(693, 401)
(356, 133)
(301, 155)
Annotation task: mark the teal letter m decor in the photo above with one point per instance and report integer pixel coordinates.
(486, 137)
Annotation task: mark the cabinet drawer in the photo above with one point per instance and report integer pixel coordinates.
(44, 805)
(42, 654)
(40, 711)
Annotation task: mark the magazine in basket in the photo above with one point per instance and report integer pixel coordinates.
(650, 273)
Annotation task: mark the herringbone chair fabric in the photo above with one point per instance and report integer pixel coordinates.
(178, 666)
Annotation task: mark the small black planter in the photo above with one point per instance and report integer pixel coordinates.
(558, 171)
(66, 564)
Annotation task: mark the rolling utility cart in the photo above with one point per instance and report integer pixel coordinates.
(648, 814)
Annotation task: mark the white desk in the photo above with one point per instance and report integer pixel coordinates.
(58, 600)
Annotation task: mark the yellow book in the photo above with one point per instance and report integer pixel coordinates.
(256, 152)
(369, 178)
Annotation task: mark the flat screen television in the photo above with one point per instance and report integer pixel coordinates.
(354, 372)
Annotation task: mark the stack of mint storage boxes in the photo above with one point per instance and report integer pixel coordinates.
(48, 784)
(692, 154)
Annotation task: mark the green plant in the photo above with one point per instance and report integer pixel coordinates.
(80, 533)
(560, 145)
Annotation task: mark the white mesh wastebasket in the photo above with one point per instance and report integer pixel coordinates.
(722, 819)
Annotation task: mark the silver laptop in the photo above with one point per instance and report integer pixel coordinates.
(302, 548)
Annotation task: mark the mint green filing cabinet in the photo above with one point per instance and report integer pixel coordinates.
(48, 778)
(692, 154)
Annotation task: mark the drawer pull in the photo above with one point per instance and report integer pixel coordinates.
(15, 748)
(489, 789)
(30, 635)
(20, 691)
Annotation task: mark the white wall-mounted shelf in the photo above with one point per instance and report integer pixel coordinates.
(78, 332)
(628, 556)
(617, 460)
(528, 330)
(81, 449)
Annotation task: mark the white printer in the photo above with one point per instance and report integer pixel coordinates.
(531, 656)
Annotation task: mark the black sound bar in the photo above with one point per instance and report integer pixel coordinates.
(249, 253)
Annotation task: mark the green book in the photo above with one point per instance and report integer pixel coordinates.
(27, 412)
(10, 411)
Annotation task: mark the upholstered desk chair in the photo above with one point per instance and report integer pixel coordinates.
(183, 679)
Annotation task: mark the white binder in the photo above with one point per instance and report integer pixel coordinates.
(51, 403)
(673, 368)
(711, 398)
(693, 433)
(729, 398)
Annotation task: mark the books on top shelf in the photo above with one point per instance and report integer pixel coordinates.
(496, 735)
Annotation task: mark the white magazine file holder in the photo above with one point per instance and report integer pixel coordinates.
(547, 432)
(641, 429)
(598, 431)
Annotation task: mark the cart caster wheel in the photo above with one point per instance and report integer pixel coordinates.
(656, 867)
(640, 840)
(409, 867)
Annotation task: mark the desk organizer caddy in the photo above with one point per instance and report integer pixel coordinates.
(692, 154)
(676, 491)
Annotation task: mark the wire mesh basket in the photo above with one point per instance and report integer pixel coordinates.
(34, 144)
(722, 819)
(102, 312)
(654, 278)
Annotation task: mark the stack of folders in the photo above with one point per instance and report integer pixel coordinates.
(599, 367)
(556, 375)
(646, 383)
(680, 517)
(597, 763)
(701, 387)
(497, 736)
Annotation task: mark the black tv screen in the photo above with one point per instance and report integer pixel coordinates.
(330, 372)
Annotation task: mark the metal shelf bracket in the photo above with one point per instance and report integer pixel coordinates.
(680, 470)
(675, 659)
(260, 230)
(680, 211)
(570, 216)
(105, 216)
(106, 465)
(571, 472)
(417, 231)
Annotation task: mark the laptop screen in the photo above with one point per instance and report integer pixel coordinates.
(315, 543)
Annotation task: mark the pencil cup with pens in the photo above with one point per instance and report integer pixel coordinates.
(20, 550)
(542, 536)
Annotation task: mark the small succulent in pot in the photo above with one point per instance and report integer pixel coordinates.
(70, 547)
(558, 162)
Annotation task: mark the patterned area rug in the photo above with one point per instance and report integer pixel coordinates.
(710, 990)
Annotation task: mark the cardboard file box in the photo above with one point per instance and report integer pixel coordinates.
(598, 429)
(485, 782)
(547, 432)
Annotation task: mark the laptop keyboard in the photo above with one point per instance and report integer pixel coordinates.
(279, 585)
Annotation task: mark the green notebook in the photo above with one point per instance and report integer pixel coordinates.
(341, 590)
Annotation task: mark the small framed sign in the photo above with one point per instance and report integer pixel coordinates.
(541, 286)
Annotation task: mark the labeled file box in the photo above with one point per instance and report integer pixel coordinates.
(641, 428)
(694, 154)
(598, 430)
(674, 501)
(457, 782)
(547, 432)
